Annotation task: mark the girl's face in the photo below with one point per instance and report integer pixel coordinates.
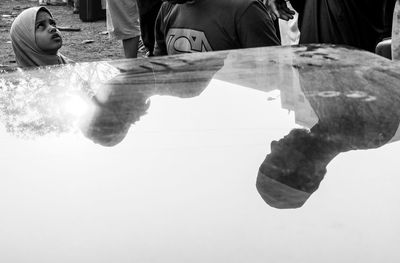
(47, 36)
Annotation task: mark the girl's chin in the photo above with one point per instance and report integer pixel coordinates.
(52, 51)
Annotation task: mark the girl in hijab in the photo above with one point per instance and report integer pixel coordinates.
(36, 39)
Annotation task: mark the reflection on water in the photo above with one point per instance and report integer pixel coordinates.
(64, 99)
(121, 101)
(49, 102)
(185, 174)
(30, 107)
(347, 110)
(100, 99)
(342, 104)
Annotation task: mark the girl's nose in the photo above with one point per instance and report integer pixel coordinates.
(52, 29)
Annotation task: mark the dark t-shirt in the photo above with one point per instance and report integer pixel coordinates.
(210, 25)
(358, 23)
(146, 6)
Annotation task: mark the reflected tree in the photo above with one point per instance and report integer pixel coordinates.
(48, 101)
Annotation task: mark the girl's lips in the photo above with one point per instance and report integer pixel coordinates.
(57, 39)
(56, 36)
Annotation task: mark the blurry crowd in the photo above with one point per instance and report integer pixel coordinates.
(168, 27)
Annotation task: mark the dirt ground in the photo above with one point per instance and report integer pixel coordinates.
(102, 47)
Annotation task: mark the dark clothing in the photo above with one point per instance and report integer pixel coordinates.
(148, 10)
(388, 11)
(210, 25)
(358, 23)
(146, 6)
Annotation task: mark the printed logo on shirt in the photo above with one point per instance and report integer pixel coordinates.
(182, 40)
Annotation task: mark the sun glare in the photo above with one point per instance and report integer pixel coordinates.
(76, 106)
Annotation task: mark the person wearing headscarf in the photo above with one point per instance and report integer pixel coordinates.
(36, 39)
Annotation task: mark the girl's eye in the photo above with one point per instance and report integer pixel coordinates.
(40, 25)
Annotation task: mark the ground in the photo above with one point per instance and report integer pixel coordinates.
(102, 48)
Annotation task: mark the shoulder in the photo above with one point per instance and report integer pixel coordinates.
(166, 7)
(241, 4)
(165, 12)
(64, 60)
(249, 8)
(239, 7)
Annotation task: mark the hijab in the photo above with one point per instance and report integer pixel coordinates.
(22, 32)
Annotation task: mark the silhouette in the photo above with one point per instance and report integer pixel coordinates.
(356, 109)
(35, 103)
(121, 101)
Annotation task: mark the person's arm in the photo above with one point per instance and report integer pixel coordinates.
(255, 27)
(396, 32)
(160, 47)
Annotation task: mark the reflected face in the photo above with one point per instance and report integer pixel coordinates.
(47, 36)
(298, 160)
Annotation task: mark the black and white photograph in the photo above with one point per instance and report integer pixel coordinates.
(194, 131)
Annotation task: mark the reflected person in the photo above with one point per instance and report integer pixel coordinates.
(122, 101)
(354, 112)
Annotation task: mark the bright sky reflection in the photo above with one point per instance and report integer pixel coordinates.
(180, 187)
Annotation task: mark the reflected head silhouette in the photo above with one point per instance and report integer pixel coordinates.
(295, 168)
(103, 99)
(121, 101)
(112, 114)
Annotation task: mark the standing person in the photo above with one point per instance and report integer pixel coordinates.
(76, 7)
(36, 39)
(123, 24)
(358, 23)
(209, 25)
(395, 46)
(148, 10)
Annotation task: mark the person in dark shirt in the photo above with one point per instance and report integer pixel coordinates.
(354, 111)
(148, 10)
(358, 23)
(209, 25)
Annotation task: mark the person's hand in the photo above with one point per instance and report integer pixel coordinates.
(279, 9)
